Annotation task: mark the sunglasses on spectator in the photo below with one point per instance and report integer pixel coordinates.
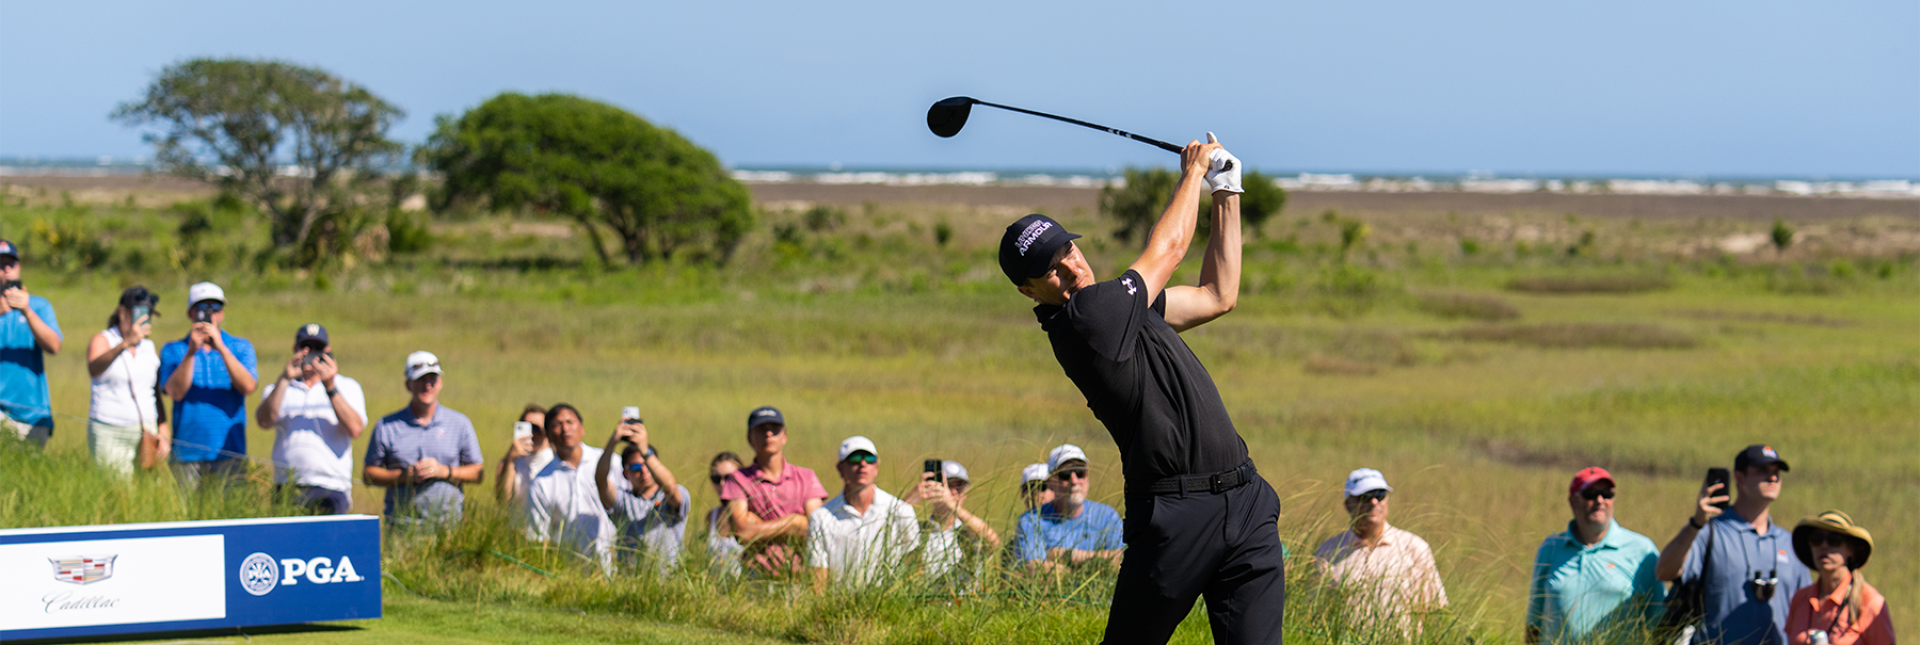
(210, 305)
(863, 458)
(716, 479)
(1826, 538)
(634, 468)
(8, 263)
(1070, 473)
(1372, 495)
(1589, 494)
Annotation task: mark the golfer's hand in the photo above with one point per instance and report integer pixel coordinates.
(1196, 157)
(1223, 169)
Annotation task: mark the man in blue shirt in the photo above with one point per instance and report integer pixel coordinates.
(208, 375)
(424, 453)
(1070, 531)
(1745, 561)
(1594, 581)
(28, 332)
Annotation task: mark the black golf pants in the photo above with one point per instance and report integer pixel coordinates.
(1225, 546)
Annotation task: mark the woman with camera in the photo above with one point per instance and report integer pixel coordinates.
(126, 423)
(1839, 608)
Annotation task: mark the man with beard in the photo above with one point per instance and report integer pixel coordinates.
(1071, 531)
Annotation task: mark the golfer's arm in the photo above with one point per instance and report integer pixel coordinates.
(1219, 290)
(1171, 236)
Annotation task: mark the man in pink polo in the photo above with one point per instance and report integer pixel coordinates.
(768, 501)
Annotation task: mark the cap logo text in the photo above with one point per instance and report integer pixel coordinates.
(1032, 233)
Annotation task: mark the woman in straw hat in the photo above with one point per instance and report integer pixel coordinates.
(1840, 607)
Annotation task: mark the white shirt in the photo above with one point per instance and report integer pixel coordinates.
(859, 547)
(563, 506)
(123, 395)
(724, 550)
(309, 442)
(523, 469)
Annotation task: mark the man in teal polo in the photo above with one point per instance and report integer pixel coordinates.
(1595, 581)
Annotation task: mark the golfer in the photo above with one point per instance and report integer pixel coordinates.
(1199, 520)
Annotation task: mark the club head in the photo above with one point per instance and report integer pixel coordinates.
(947, 116)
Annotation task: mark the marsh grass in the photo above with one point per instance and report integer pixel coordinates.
(1589, 284)
(1469, 306)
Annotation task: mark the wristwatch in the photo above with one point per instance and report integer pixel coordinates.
(1696, 527)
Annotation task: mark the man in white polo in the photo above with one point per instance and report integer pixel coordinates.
(563, 501)
(316, 412)
(864, 533)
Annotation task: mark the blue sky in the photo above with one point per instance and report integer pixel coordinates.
(1715, 88)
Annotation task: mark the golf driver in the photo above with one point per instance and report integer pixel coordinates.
(946, 118)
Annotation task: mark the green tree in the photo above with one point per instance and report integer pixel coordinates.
(1781, 236)
(594, 163)
(241, 123)
(1136, 206)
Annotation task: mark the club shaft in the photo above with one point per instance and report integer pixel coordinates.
(1152, 142)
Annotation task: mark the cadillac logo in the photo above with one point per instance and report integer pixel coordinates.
(82, 570)
(259, 574)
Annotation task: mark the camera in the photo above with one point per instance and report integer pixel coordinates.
(9, 285)
(142, 315)
(630, 414)
(201, 315)
(313, 356)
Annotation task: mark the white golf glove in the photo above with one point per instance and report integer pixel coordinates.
(1223, 169)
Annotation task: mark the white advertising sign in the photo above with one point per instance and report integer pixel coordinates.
(108, 582)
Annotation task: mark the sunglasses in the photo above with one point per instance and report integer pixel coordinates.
(210, 305)
(634, 468)
(863, 458)
(716, 479)
(1070, 473)
(9, 263)
(1826, 538)
(1372, 496)
(1589, 494)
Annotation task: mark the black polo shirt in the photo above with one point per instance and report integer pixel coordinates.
(1142, 382)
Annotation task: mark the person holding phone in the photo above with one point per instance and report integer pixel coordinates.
(526, 454)
(126, 425)
(956, 540)
(29, 331)
(316, 412)
(650, 511)
(208, 375)
(1743, 561)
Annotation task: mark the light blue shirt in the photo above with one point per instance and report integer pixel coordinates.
(399, 441)
(1581, 590)
(213, 417)
(23, 368)
(1734, 615)
(1097, 528)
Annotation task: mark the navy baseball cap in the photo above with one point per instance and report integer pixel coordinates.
(1027, 248)
(7, 248)
(765, 414)
(310, 332)
(1758, 455)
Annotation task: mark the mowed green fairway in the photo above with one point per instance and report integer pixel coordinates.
(411, 619)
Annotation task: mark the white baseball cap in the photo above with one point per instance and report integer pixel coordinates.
(952, 470)
(1366, 479)
(205, 291)
(421, 364)
(1063, 454)
(1034, 473)
(855, 444)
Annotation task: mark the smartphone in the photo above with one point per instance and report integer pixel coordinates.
(522, 430)
(142, 314)
(630, 414)
(933, 466)
(314, 357)
(1724, 478)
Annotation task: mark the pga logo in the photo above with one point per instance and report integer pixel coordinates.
(261, 573)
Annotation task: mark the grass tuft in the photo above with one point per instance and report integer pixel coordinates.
(1460, 305)
(1579, 336)
(1563, 285)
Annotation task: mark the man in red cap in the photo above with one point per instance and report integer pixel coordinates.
(1595, 581)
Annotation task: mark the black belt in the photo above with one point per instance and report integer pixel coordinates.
(1219, 482)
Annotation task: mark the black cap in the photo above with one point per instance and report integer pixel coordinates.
(8, 248)
(1758, 455)
(1027, 248)
(137, 295)
(310, 332)
(764, 414)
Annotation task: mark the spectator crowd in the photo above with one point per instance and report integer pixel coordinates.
(1731, 574)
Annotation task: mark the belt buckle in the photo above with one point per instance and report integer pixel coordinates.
(1217, 482)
